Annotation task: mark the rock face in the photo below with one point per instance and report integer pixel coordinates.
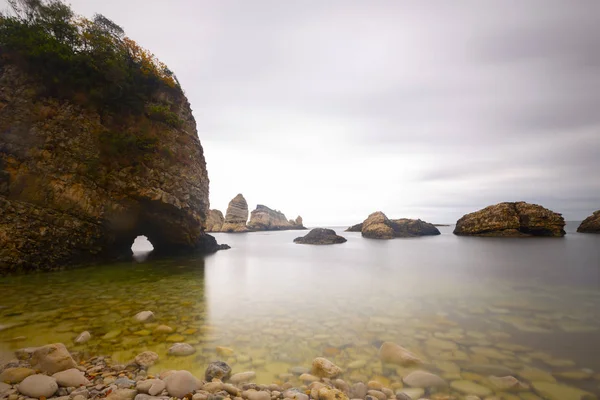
(266, 219)
(320, 236)
(355, 228)
(591, 224)
(215, 221)
(236, 216)
(378, 226)
(78, 185)
(511, 220)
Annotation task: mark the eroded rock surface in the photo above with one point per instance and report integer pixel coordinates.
(236, 216)
(591, 224)
(77, 185)
(379, 226)
(511, 220)
(215, 221)
(264, 218)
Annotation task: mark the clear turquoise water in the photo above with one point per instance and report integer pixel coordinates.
(278, 304)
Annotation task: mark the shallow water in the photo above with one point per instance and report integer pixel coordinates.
(455, 301)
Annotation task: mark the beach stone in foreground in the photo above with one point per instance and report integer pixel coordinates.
(71, 378)
(15, 375)
(181, 383)
(217, 370)
(52, 358)
(38, 385)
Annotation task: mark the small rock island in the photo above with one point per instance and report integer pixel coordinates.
(379, 226)
(517, 219)
(320, 236)
(591, 224)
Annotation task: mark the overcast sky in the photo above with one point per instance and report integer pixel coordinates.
(335, 109)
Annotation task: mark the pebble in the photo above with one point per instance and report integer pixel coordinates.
(217, 370)
(15, 374)
(146, 359)
(52, 358)
(38, 385)
(71, 378)
(394, 354)
(377, 394)
(144, 316)
(83, 337)
(122, 394)
(163, 329)
(469, 387)
(423, 379)
(4, 387)
(180, 383)
(256, 395)
(309, 378)
(324, 368)
(242, 377)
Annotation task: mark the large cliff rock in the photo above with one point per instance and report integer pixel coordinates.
(320, 236)
(511, 220)
(215, 221)
(378, 226)
(265, 219)
(591, 224)
(77, 185)
(236, 216)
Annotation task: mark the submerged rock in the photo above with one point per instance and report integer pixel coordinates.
(423, 379)
(379, 226)
(591, 224)
(511, 220)
(146, 359)
(215, 220)
(323, 368)
(181, 349)
(83, 337)
(392, 353)
(320, 236)
(236, 216)
(265, 219)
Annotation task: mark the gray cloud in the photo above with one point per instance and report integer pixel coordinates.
(335, 109)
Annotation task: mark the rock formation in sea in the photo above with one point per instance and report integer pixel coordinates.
(591, 224)
(214, 222)
(236, 216)
(265, 219)
(355, 228)
(511, 219)
(82, 174)
(320, 236)
(378, 226)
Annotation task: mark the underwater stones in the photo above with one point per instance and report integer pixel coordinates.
(324, 368)
(224, 351)
(469, 387)
(252, 394)
(181, 349)
(423, 379)
(535, 374)
(489, 369)
(308, 378)
(357, 364)
(71, 378)
(38, 386)
(176, 337)
(392, 353)
(115, 333)
(507, 383)
(217, 370)
(52, 358)
(556, 391)
(160, 329)
(180, 383)
(16, 374)
(410, 394)
(298, 370)
(146, 359)
(242, 377)
(144, 316)
(83, 337)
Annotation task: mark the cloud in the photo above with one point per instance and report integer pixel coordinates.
(336, 109)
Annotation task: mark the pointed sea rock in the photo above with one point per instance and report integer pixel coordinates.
(236, 216)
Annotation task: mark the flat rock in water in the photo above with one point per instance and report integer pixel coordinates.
(412, 393)
(144, 316)
(556, 391)
(423, 379)
(146, 359)
(83, 337)
(394, 354)
(38, 386)
(469, 387)
(243, 377)
(320, 236)
(489, 369)
(181, 349)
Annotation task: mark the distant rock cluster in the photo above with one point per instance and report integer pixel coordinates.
(262, 218)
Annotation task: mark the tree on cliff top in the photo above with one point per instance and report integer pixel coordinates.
(90, 61)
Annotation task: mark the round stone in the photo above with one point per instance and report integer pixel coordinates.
(38, 386)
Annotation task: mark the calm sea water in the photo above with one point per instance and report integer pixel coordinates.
(455, 301)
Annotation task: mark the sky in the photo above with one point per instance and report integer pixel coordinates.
(335, 109)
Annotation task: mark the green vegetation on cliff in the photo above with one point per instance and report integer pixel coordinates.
(90, 62)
